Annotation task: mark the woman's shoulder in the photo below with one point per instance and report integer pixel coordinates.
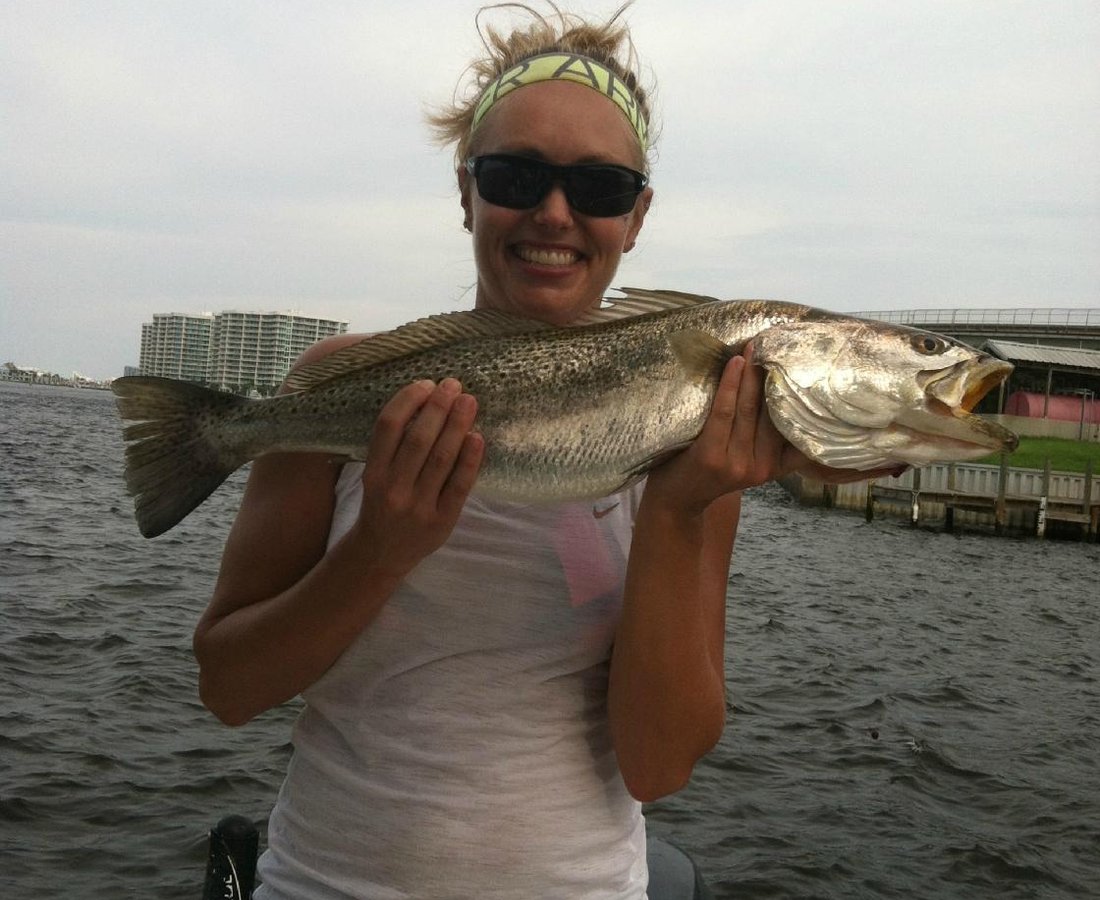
(329, 345)
(325, 347)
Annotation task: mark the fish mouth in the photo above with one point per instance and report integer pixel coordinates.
(981, 379)
(950, 397)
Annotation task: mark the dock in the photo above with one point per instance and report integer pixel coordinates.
(1008, 500)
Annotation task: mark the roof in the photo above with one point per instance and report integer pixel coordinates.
(1040, 354)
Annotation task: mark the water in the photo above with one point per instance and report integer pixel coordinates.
(912, 714)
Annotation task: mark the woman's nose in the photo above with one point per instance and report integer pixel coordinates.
(554, 208)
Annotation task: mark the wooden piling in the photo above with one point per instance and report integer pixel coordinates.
(1091, 511)
(949, 505)
(1000, 511)
(1044, 495)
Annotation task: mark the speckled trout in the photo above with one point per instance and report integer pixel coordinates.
(583, 410)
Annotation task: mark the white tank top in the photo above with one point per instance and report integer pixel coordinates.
(460, 746)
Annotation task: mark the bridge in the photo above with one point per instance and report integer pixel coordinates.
(1055, 327)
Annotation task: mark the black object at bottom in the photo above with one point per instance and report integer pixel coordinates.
(231, 863)
(673, 874)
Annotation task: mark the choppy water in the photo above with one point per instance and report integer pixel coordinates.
(913, 714)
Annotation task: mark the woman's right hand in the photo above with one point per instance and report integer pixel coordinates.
(282, 594)
(422, 461)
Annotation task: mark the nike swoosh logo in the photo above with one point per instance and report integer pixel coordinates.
(600, 513)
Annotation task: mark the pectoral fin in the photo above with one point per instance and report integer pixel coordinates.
(701, 355)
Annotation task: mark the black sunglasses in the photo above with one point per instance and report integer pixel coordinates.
(592, 189)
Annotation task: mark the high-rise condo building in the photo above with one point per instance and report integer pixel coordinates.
(238, 351)
(177, 345)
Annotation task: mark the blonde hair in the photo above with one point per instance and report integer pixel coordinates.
(608, 43)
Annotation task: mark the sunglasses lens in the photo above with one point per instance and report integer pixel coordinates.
(602, 190)
(517, 182)
(512, 182)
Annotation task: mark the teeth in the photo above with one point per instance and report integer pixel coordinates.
(547, 257)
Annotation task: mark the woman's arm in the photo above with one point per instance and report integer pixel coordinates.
(283, 609)
(667, 692)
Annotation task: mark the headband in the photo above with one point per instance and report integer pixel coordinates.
(565, 67)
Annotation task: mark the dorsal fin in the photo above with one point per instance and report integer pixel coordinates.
(423, 334)
(440, 330)
(638, 302)
(666, 299)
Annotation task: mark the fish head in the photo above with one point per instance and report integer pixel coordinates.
(859, 394)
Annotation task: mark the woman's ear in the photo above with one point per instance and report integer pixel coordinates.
(637, 218)
(464, 193)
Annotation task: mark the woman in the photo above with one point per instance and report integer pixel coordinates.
(491, 689)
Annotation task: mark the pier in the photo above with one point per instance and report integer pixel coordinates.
(1002, 498)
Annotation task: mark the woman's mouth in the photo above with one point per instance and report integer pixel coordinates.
(544, 256)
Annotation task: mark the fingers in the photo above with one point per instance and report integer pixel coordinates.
(461, 479)
(739, 438)
(422, 442)
(724, 406)
(738, 426)
(438, 435)
(749, 408)
(725, 409)
(389, 428)
(427, 444)
(767, 444)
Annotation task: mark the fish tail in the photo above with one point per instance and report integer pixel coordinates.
(172, 463)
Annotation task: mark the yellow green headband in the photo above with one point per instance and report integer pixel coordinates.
(565, 67)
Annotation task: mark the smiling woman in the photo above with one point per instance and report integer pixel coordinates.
(491, 687)
(552, 259)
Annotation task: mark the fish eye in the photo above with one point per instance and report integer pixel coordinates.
(928, 344)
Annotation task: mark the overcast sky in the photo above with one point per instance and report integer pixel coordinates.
(264, 155)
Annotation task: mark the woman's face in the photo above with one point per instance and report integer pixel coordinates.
(550, 262)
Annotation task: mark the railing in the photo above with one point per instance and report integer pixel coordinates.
(1062, 317)
(971, 478)
(1016, 499)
